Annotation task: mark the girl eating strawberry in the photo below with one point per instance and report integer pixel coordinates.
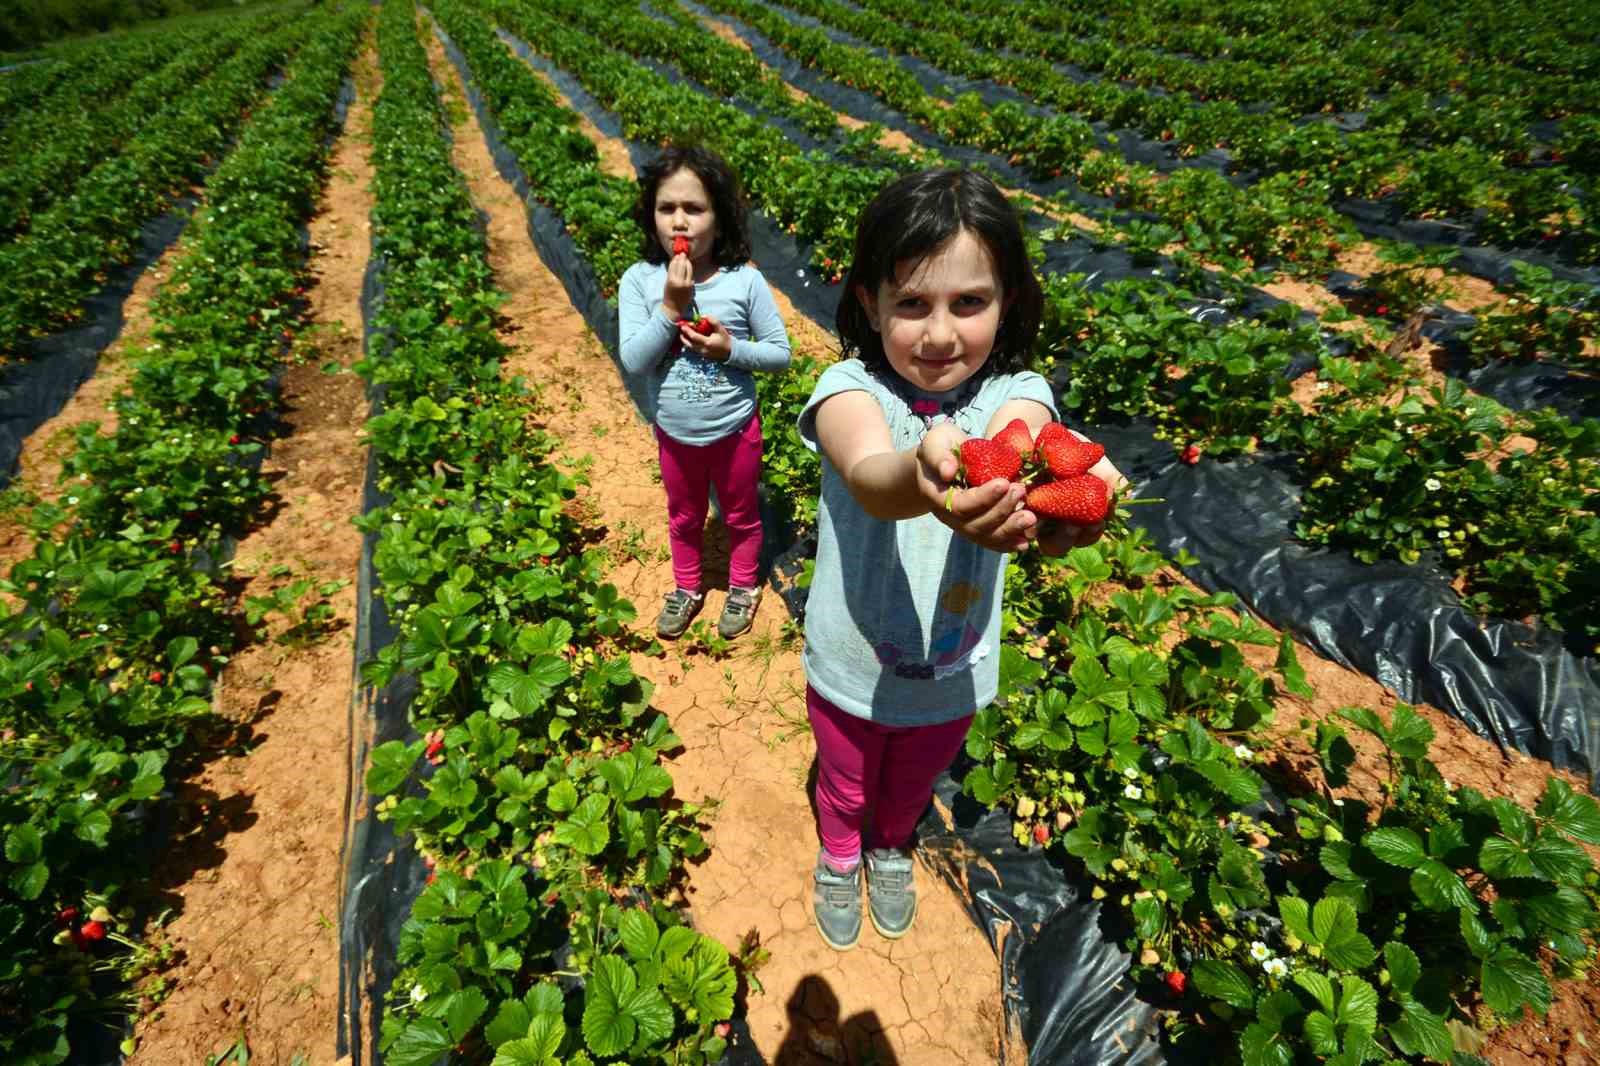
(697, 320)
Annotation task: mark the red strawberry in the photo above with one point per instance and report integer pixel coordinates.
(1081, 500)
(1190, 455)
(1065, 455)
(434, 748)
(92, 930)
(1041, 835)
(155, 677)
(175, 547)
(1017, 437)
(680, 244)
(234, 439)
(703, 326)
(1177, 981)
(984, 460)
(1383, 309)
(66, 916)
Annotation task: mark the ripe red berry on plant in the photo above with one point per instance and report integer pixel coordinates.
(1177, 982)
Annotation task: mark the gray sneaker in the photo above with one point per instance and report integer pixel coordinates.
(892, 894)
(677, 613)
(738, 612)
(836, 905)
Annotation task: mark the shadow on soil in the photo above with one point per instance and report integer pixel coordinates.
(817, 1035)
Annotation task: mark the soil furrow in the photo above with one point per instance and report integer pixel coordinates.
(816, 1003)
(253, 874)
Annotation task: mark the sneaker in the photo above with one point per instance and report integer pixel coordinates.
(677, 613)
(738, 612)
(836, 905)
(889, 887)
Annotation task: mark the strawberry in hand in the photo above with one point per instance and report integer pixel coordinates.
(1063, 454)
(680, 244)
(1082, 500)
(984, 460)
(1017, 437)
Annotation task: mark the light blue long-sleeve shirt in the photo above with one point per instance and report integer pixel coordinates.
(696, 400)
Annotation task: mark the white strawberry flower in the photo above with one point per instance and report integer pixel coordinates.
(418, 993)
(1243, 753)
(1259, 951)
(1133, 792)
(1433, 484)
(1130, 771)
(1275, 967)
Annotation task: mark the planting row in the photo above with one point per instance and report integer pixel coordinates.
(1463, 179)
(535, 792)
(120, 620)
(46, 274)
(1307, 61)
(47, 161)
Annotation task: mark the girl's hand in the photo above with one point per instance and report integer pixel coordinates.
(990, 515)
(716, 345)
(679, 292)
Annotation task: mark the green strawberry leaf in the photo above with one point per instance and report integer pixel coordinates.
(1419, 1032)
(1262, 1045)
(1510, 980)
(1405, 969)
(1440, 888)
(1224, 981)
(419, 1044)
(510, 1023)
(638, 933)
(1395, 846)
(608, 1028)
(1574, 814)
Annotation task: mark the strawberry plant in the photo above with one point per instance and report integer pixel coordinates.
(1128, 740)
(1408, 281)
(535, 794)
(1543, 318)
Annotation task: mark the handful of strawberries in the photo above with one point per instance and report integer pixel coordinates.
(1056, 466)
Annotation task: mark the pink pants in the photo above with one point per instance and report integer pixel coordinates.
(733, 465)
(890, 769)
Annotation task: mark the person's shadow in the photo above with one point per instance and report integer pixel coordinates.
(818, 1037)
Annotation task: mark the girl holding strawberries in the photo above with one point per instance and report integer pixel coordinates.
(697, 320)
(940, 308)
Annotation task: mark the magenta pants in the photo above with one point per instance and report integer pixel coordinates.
(733, 465)
(889, 769)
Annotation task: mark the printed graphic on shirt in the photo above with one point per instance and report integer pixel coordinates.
(698, 379)
(957, 643)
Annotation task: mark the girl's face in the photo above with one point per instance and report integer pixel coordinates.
(938, 317)
(684, 207)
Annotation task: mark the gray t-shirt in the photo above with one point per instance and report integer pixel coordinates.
(903, 618)
(696, 400)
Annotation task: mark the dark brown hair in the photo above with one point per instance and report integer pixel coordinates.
(913, 217)
(732, 246)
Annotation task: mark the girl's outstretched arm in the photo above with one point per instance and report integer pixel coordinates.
(893, 485)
